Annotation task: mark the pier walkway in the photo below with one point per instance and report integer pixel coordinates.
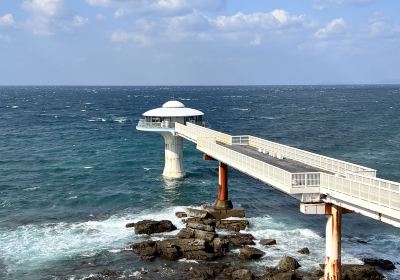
(312, 178)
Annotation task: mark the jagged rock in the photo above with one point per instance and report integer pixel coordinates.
(240, 239)
(129, 225)
(186, 233)
(210, 222)
(197, 234)
(250, 253)
(198, 213)
(381, 263)
(109, 273)
(204, 235)
(242, 274)
(194, 249)
(268, 242)
(200, 226)
(304, 251)
(276, 274)
(210, 271)
(288, 263)
(233, 225)
(147, 250)
(150, 226)
(360, 272)
(180, 214)
(220, 245)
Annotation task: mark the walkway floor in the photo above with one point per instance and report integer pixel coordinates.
(289, 165)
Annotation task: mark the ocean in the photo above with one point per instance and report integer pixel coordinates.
(74, 170)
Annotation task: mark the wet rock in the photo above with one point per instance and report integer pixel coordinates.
(197, 213)
(147, 250)
(204, 235)
(200, 226)
(304, 251)
(381, 263)
(150, 226)
(180, 215)
(242, 274)
(240, 239)
(220, 245)
(197, 234)
(109, 273)
(288, 263)
(203, 272)
(233, 225)
(276, 274)
(129, 225)
(360, 272)
(250, 253)
(210, 222)
(268, 242)
(193, 249)
(186, 233)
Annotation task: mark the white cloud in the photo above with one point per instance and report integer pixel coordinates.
(322, 4)
(333, 28)
(381, 27)
(129, 37)
(79, 21)
(7, 20)
(164, 7)
(47, 8)
(272, 20)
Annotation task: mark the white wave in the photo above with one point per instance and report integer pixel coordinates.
(72, 197)
(88, 167)
(14, 107)
(120, 119)
(88, 103)
(240, 109)
(97, 120)
(31, 188)
(83, 110)
(32, 246)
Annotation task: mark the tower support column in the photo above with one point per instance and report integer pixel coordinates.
(333, 262)
(173, 168)
(222, 202)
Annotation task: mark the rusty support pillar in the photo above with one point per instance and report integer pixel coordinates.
(222, 202)
(333, 262)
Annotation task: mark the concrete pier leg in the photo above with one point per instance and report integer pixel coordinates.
(333, 262)
(222, 202)
(173, 168)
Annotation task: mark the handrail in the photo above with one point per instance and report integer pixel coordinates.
(313, 159)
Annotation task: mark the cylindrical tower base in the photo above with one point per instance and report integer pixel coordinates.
(173, 168)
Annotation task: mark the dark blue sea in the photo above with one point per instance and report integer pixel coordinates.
(73, 171)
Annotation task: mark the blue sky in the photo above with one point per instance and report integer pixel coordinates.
(199, 42)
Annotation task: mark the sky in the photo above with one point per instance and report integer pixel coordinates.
(199, 42)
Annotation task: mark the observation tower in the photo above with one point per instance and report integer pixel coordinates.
(162, 120)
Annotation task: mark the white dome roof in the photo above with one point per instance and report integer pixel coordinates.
(173, 108)
(173, 104)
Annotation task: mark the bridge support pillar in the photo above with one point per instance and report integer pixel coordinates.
(222, 202)
(333, 262)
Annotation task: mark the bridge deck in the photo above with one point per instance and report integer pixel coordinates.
(300, 173)
(289, 165)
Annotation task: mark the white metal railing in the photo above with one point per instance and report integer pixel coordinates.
(240, 140)
(195, 131)
(270, 174)
(310, 179)
(370, 190)
(164, 124)
(319, 161)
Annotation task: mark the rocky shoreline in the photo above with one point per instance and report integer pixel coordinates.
(214, 248)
